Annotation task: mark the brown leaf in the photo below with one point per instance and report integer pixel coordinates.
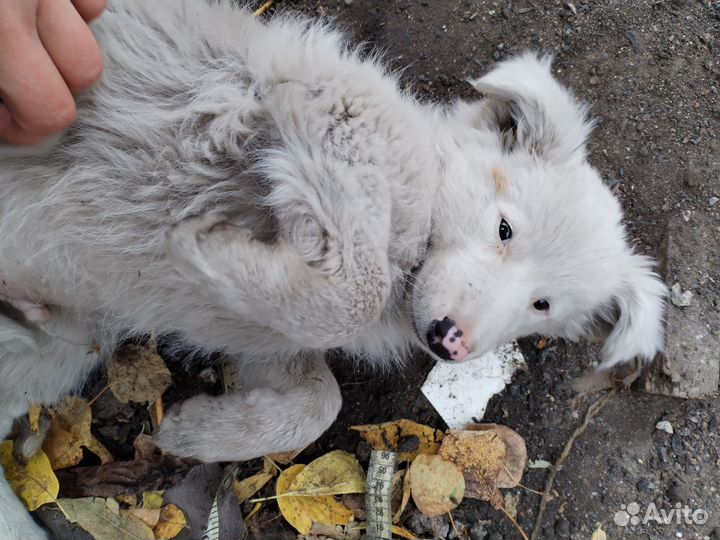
(480, 455)
(69, 432)
(138, 374)
(123, 477)
(406, 437)
(515, 453)
(149, 516)
(437, 486)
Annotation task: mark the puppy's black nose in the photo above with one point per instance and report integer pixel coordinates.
(436, 334)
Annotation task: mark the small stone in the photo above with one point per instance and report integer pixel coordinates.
(712, 201)
(664, 425)
(562, 528)
(496, 536)
(679, 297)
(645, 486)
(678, 492)
(478, 532)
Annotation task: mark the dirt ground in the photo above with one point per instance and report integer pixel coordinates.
(651, 70)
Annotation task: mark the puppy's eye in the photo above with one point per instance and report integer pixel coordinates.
(542, 305)
(505, 232)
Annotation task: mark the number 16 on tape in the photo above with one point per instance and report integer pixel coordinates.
(378, 492)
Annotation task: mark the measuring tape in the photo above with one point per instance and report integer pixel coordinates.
(378, 492)
(224, 490)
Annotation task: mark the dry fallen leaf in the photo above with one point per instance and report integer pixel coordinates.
(172, 522)
(35, 482)
(405, 497)
(285, 458)
(515, 453)
(97, 448)
(138, 374)
(336, 473)
(404, 533)
(69, 432)
(480, 456)
(302, 512)
(149, 516)
(152, 499)
(247, 487)
(409, 439)
(104, 520)
(437, 486)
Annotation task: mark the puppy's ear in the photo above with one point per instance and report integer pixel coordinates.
(640, 306)
(532, 111)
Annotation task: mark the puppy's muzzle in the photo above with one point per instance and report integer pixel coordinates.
(445, 339)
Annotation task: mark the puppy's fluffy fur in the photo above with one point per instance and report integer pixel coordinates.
(261, 189)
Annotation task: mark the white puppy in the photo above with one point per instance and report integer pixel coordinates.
(260, 189)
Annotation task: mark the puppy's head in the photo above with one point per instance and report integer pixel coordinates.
(526, 237)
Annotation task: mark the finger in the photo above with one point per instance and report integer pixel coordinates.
(69, 43)
(32, 89)
(90, 9)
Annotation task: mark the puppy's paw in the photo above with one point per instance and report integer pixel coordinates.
(199, 245)
(199, 428)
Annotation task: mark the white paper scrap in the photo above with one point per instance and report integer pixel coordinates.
(461, 391)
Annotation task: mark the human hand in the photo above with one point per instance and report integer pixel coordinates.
(47, 53)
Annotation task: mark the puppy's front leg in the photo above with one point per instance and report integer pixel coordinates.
(294, 404)
(314, 305)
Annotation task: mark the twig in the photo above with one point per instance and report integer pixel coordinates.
(591, 413)
(514, 521)
(100, 393)
(262, 9)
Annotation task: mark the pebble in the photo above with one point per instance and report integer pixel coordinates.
(496, 536)
(678, 492)
(646, 486)
(664, 425)
(562, 528)
(478, 532)
(679, 297)
(712, 201)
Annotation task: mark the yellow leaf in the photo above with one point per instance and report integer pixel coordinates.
(152, 499)
(138, 374)
(35, 483)
(404, 533)
(97, 448)
(480, 456)
(599, 534)
(247, 487)
(104, 520)
(34, 417)
(302, 512)
(255, 510)
(437, 486)
(336, 473)
(69, 432)
(406, 437)
(172, 522)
